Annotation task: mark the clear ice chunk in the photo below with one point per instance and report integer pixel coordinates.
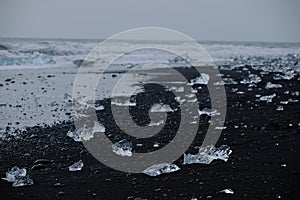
(122, 148)
(158, 169)
(268, 98)
(273, 86)
(18, 176)
(252, 78)
(226, 81)
(227, 191)
(207, 154)
(85, 134)
(161, 108)
(202, 80)
(209, 112)
(77, 166)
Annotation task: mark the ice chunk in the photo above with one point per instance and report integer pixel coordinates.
(271, 85)
(161, 108)
(267, 98)
(203, 80)
(122, 148)
(252, 78)
(158, 169)
(77, 166)
(156, 123)
(227, 191)
(289, 101)
(100, 107)
(18, 177)
(85, 134)
(98, 127)
(226, 81)
(207, 154)
(209, 112)
(279, 108)
(287, 76)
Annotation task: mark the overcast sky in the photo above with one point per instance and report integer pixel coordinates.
(230, 20)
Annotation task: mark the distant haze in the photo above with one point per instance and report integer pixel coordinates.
(223, 20)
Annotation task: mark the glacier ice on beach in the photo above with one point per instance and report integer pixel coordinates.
(158, 169)
(202, 80)
(77, 166)
(122, 148)
(207, 154)
(271, 85)
(267, 98)
(227, 191)
(85, 134)
(252, 78)
(226, 81)
(18, 176)
(161, 108)
(209, 112)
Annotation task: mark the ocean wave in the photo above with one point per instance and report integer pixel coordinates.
(8, 58)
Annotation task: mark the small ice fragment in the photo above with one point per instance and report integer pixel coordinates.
(122, 148)
(158, 169)
(226, 81)
(271, 85)
(289, 101)
(18, 177)
(283, 165)
(156, 145)
(207, 154)
(267, 98)
(77, 166)
(209, 112)
(156, 123)
(227, 191)
(240, 92)
(279, 108)
(99, 107)
(252, 78)
(220, 127)
(161, 108)
(203, 80)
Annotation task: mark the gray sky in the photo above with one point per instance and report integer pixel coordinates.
(233, 20)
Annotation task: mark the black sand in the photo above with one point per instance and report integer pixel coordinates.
(264, 163)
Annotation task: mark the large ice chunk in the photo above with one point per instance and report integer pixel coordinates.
(122, 148)
(163, 168)
(77, 166)
(207, 154)
(18, 176)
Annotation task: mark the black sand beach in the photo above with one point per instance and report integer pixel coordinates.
(264, 163)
